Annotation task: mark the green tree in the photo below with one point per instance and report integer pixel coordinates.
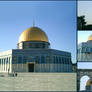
(81, 22)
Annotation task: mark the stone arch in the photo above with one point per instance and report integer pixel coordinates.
(85, 83)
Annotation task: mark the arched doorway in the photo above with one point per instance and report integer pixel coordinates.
(85, 83)
(30, 67)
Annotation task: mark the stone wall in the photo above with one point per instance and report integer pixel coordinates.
(43, 67)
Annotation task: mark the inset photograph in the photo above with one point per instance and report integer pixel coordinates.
(84, 65)
(84, 46)
(84, 16)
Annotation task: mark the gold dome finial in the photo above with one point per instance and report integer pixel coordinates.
(33, 23)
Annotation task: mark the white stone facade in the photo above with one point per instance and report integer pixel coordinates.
(6, 61)
(10, 61)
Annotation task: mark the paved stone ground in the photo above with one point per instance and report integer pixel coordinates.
(39, 82)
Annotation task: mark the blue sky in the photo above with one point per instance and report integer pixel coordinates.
(56, 18)
(83, 36)
(85, 8)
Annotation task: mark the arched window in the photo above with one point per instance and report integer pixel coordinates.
(14, 59)
(63, 60)
(70, 61)
(47, 59)
(43, 45)
(30, 45)
(24, 59)
(66, 60)
(19, 60)
(36, 45)
(37, 59)
(42, 59)
(59, 60)
(56, 59)
(84, 83)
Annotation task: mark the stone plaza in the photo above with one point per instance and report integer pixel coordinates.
(39, 82)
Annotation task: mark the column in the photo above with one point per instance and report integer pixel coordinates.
(5, 60)
(10, 64)
(17, 63)
(55, 65)
(22, 64)
(40, 64)
(7, 64)
(4, 64)
(63, 64)
(1, 65)
(45, 63)
(58, 64)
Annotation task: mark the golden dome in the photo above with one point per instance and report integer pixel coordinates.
(33, 34)
(90, 37)
(88, 83)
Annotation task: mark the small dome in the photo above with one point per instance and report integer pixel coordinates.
(33, 34)
(90, 38)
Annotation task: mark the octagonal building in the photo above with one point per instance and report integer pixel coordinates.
(33, 54)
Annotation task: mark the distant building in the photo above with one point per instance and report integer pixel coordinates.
(33, 54)
(85, 50)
